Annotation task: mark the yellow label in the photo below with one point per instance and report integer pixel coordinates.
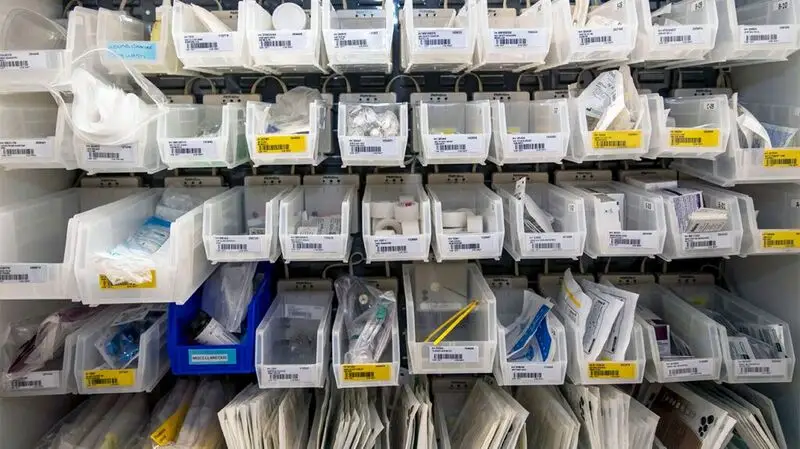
(780, 239)
(105, 283)
(167, 432)
(616, 140)
(104, 378)
(443, 130)
(295, 143)
(513, 130)
(612, 370)
(699, 301)
(782, 158)
(690, 137)
(367, 373)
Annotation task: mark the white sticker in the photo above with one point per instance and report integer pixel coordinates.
(767, 34)
(398, 245)
(238, 243)
(442, 38)
(315, 243)
(633, 239)
(191, 148)
(516, 38)
(293, 374)
(110, 153)
(282, 40)
(23, 274)
(707, 240)
(699, 5)
(22, 60)
(536, 143)
(25, 148)
(373, 146)
(681, 35)
(357, 39)
(38, 380)
(598, 37)
(552, 242)
(535, 373)
(688, 368)
(478, 243)
(304, 312)
(454, 354)
(780, 5)
(760, 368)
(457, 144)
(208, 42)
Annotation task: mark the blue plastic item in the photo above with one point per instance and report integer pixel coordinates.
(188, 358)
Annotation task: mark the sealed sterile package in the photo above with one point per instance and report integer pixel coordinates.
(620, 336)
(600, 321)
(290, 113)
(200, 423)
(368, 318)
(124, 425)
(573, 304)
(228, 292)
(118, 343)
(522, 331)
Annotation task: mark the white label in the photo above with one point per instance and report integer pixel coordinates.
(373, 146)
(357, 39)
(455, 38)
(238, 243)
(303, 312)
(282, 40)
(110, 153)
(22, 60)
(599, 37)
(293, 374)
(688, 368)
(454, 354)
(478, 243)
(699, 5)
(535, 143)
(707, 240)
(37, 381)
(191, 148)
(539, 373)
(633, 239)
(780, 5)
(23, 274)
(315, 243)
(208, 42)
(681, 35)
(457, 144)
(767, 34)
(25, 148)
(398, 245)
(760, 368)
(552, 242)
(516, 38)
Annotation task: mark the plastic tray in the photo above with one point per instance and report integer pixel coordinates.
(453, 133)
(770, 219)
(360, 150)
(529, 132)
(285, 149)
(34, 133)
(202, 49)
(437, 40)
(510, 41)
(189, 358)
(359, 40)
(588, 145)
(687, 139)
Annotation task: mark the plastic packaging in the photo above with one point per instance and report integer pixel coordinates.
(573, 303)
(227, 293)
(520, 334)
(119, 343)
(290, 113)
(620, 336)
(368, 317)
(604, 311)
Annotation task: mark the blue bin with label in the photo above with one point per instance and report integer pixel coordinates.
(189, 358)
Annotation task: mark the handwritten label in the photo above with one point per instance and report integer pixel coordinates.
(134, 50)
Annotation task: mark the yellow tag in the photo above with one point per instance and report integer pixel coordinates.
(612, 370)
(782, 158)
(167, 432)
(690, 137)
(105, 283)
(443, 130)
(294, 143)
(780, 239)
(616, 140)
(513, 130)
(104, 378)
(367, 373)
(155, 32)
(699, 301)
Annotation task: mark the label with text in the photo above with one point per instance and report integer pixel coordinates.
(767, 34)
(25, 148)
(134, 50)
(208, 42)
(633, 239)
(602, 36)
(23, 274)
(282, 40)
(39, 380)
(398, 245)
(612, 370)
(106, 284)
(294, 143)
(688, 368)
(517, 38)
(373, 146)
(780, 239)
(212, 356)
(477, 243)
(315, 243)
(304, 312)
(707, 240)
(453, 354)
(693, 138)
(191, 148)
(681, 35)
(22, 60)
(442, 38)
(238, 243)
(107, 378)
(290, 374)
(378, 372)
(536, 373)
(457, 144)
(782, 158)
(355, 39)
(536, 143)
(547, 241)
(110, 153)
(761, 368)
(617, 140)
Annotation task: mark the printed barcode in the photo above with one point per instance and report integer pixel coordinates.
(17, 384)
(683, 371)
(754, 370)
(454, 357)
(534, 376)
(779, 242)
(703, 244)
(437, 42)
(16, 64)
(524, 146)
(621, 241)
(614, 143)
(363, 375)
(277, 147)
(18, 152)
(362, 43)
(678, 140)
(586, 40)
(366, 149)
(780, 161)
(750, 38)
(547, 245)
(392, 249)
(232, 247)
(94, 155)
(284, 376)
(465, 246)
(14, 277)
(684, 39)
(264, 42)
(502, 41)
(184, 151)
(304, 246)
(203, 45)
(451, 147)
(605, 373)
(93, 381)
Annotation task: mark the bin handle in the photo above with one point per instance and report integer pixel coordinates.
(539, 78)
(264, 78)
(391, 81)
(187, 90)
(346, 83)
(69, 4)
(480, 83)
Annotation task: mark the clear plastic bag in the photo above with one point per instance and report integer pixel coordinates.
(118, 344)
(290, 114)
(227, 293)
(368, 317)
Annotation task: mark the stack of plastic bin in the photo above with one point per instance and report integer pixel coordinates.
(34, 133)
(435, 293)
(603, 145)
(360, 149)
(440, 40)
(453, 133)
(525, 132)
(268, 146)
(358, 40)
(701, 126)
(205, 49)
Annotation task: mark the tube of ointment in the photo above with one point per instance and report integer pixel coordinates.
(535, 310)
(605, 309)
(620, 337)
(573, 303)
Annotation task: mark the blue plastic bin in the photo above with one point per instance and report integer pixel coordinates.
(188, 358)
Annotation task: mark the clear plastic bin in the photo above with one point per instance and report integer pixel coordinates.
(770, 218)
(690, 245)
(659, 45)
(509, 306)
(149, 48)
(507, 41)
(644, 226)
(459, 243)
(359, 149)
(179, 266)
(37, 51)
(202, 135)
(607, 145)
(738, 310)
(437, 40)
(242, 224)
(293, 340)
(582, 372)
(570, 220)
(751, 165)
(268, 148)
(379, 193)
(453, 133)
(37, 249)
(359, 40)
(211, 50)
(590, 47)
(34, 133)
(702, 126)
(283, 51)
(529, 132)
(435, 293)
(318, 201)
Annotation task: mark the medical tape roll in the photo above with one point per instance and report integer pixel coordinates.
(410, 227)
(381, 209)
(388, 223)
(406, 211)
(454, 219)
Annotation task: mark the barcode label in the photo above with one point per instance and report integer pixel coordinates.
(518, 38)
(536, 373)
(358, 39)
(683, 39)
(454, 354)
(238, 243)
(398, 245)
(373, 146)
(551, 242)
(768, 34)
(680, 35)
(304, 312)
(761, 368)
(282, 40)
(110, 153)
(622, 241)
(393, 249)
(37, 381)
(104, 382)
(208, 42)
(23, 60)
(633, 239)
(598, 37)
(192, 148)
(314, 243)
(25, 148)
(23, 274)
(714, 240)
(535, 143)
(461, 144)
(306, 246)
(300, 374)
(444, 38)
(688, 368)
(473, 244)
